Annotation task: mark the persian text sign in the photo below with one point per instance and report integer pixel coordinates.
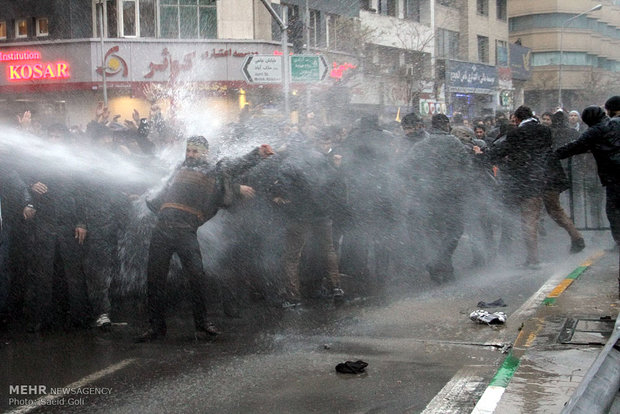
(308, 68)
(467, 77)
(262, 68)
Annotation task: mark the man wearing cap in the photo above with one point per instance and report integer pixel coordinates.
(191, 197)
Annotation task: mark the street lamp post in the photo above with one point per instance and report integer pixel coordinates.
(566, 22)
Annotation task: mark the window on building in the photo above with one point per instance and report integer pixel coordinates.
(146, 11)
(188, 19)
(21, 28)
(331, 28)
(388, 7)
(482, 7)
(501, 53)
(2, 30)
(315, 28)
(502, 9)
(366, 5)
(483, 49)
(127, 23)
(448, 3)
(412, 10)
(447, 44)
(42, 26)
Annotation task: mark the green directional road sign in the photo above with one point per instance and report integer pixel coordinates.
(308, 68)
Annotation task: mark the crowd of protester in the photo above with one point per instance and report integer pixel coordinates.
(327, 211)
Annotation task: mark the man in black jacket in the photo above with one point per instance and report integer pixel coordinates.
(15, 202)
(603, 140)
(191, 197)
(526, 150)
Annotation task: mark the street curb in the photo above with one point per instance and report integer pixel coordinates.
(493, 393)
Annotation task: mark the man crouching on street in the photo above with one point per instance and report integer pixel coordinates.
(191, 197)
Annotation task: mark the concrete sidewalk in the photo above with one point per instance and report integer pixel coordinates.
(560, 342)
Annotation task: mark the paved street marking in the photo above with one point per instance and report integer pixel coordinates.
(456, 394)
(45, 400)
(493, 394)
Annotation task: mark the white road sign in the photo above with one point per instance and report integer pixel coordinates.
(262, 68)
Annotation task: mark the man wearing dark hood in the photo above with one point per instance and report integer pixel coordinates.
(439, 168)
(366, 164)
(192, 196)
(526, 152)
(602, 139)
(557, 182)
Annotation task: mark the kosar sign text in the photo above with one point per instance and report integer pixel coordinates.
(26, 65)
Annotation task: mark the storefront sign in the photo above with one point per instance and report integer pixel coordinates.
(19, 55)
(430, 107)
(22, 68)
(57, 70)
(520, 58)
(467, 77)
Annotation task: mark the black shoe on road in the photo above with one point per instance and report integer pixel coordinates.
(206, 329)
(577, 245)
(151, 335)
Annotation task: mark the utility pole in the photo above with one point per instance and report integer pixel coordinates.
(100, 5)
(285, 58)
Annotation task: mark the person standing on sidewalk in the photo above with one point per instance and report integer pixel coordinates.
(557, 182)
(603, 140)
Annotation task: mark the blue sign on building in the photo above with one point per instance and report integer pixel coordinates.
(465, 77)
(520, 62)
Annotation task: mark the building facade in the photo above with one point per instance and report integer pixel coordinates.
(573, 50)
(431, 55)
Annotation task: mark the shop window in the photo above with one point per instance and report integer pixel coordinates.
(21, 28)
(127, 23)
(502, 10)
(2, 30)
(483, 49)
(188, 19)
(483, 7)
(42, 26)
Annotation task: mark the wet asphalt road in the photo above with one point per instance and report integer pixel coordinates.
(283, 361)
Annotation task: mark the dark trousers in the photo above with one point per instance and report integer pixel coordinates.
(55, 244)
(98, 271)
(166, 241)
(5, 275)
(612, 208)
